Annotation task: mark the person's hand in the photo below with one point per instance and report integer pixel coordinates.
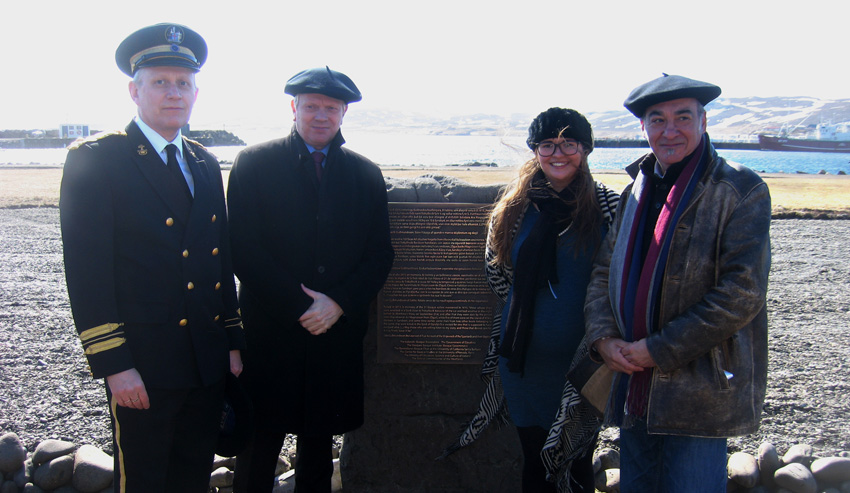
(128, 389)
(637, 353)
(611, 351)
(322, 314)
(235, 362)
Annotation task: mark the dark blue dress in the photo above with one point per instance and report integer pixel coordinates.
(533, 398)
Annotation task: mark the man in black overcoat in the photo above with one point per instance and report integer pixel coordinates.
(149, 273)
(311, 249)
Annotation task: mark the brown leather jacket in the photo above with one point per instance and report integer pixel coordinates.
(710, 346)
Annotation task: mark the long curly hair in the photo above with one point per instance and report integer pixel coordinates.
(586, 218)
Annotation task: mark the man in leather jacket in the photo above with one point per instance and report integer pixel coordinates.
(676, 303)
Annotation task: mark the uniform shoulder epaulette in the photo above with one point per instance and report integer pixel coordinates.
(195, 142)
(94, 138)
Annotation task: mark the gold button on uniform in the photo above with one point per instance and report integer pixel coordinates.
(216, 318)
(217, 286)
(184, 322)
(169, 222)
(191, 285)
(213, 218)
(185, 253)
(215, 252)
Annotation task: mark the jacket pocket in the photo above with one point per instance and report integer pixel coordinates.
(721, 367)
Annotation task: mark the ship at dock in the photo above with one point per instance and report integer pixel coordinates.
(825, 138)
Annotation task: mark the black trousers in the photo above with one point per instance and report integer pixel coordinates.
(169, 447)
(532, 439)
(256, 464)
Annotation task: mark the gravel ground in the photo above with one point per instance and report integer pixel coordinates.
(46, 390)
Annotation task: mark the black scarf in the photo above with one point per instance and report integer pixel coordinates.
(535, 266)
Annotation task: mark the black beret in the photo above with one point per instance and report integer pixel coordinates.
(160, 45)
(668, 88)
(323, 81)
(236, 419)
(560, 122)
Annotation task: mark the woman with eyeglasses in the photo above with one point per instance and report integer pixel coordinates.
(544, 232)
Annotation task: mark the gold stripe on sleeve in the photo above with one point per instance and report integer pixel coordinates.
(106, 345)
(98, 331)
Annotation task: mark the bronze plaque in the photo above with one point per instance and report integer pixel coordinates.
(436, 306)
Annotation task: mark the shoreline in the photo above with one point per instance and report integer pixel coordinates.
(799, 195)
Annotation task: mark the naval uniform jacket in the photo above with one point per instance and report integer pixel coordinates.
(287, 228)
(149, 273)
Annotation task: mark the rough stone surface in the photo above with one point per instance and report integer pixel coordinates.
(608, 458)
(768, 463)
(743, 469)
(93, 469)
(12, 453)
(608, 481)
(797, 478)
(221, 477)
(800, 453)
(24, 474)
(55, 473)
(51, 449)
(439, 188)
(831, 470)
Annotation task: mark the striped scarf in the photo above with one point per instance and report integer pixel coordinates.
(641, 282)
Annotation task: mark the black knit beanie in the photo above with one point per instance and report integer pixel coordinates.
(560, 122)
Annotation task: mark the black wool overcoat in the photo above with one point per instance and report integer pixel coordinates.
(289, 229)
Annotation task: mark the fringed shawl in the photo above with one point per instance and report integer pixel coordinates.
(575, 425)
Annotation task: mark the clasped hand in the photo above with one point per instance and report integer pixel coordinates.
(322, 314)
(625, 357)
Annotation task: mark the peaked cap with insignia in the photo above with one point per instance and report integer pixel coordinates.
(160, 45)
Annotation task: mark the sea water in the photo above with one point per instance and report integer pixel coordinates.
(418, 149)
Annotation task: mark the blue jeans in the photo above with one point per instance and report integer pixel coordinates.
(670, 464)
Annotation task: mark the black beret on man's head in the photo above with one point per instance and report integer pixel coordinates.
(668, 88)
(160, 45)
(560, 122)
(323, 81)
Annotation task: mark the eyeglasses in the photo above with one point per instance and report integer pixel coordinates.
(567, 147)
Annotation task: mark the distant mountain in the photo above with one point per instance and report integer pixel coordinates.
(732, 118)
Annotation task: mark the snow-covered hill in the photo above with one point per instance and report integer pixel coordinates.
(728, 118)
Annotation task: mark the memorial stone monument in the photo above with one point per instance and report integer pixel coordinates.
(423, 352)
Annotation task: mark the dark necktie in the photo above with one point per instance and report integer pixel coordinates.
(174, 169)
(318, 157)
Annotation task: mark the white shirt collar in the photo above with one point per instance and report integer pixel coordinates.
(158, 141)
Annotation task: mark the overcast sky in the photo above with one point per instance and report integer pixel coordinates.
(444, 57)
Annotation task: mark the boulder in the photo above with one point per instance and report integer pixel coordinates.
(221, 477)
(31, 488)
(769, 463)
(608, 481)
(228, 462)
(55, 473)
(608, 459)
(8, 486)
(743, 469)
(800, 453)
(51, 449)
(831, 470)
(12, 453)
(797, 478)
(24, 474)
(93, 469)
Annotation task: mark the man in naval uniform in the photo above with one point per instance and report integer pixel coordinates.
(149, 274)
